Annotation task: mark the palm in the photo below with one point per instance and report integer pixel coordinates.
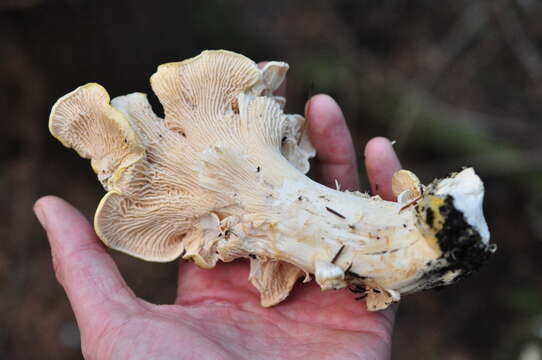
(217, 312)
(222, 319)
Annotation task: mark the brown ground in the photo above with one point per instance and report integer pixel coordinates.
(455, 82)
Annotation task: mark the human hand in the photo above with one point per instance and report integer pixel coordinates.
(216, 314)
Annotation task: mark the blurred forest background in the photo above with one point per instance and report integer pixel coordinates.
(454, 82)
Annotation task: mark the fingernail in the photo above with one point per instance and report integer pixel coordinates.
(41, 216)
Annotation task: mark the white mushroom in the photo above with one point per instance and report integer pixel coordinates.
(222, 177)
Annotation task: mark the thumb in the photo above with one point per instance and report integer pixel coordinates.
(88, 274)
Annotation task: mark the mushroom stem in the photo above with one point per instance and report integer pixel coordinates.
(350, 239)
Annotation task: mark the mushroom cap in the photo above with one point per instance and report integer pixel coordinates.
(159, 203)
(86, 111)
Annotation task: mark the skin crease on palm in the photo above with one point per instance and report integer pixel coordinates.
(216, 313)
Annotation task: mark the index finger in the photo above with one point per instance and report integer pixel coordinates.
(329, 134)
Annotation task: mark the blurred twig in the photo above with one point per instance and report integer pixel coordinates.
(518, 40)
(471, 23)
